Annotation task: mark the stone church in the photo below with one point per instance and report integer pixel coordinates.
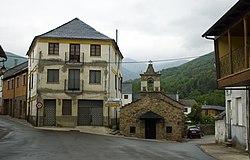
(154, 115)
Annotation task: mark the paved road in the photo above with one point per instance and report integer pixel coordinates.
(27, 143)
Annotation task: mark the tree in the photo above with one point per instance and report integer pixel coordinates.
(195, 115)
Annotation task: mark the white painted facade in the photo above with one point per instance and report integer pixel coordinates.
(109, 63)
(236, 117)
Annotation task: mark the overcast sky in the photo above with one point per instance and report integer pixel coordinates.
(148, 29)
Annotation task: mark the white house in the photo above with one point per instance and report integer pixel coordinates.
(73, 71)
(126, 93)
(236, 117)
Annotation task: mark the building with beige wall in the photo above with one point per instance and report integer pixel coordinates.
(73, 70)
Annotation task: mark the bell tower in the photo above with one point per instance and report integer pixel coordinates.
(150, 80)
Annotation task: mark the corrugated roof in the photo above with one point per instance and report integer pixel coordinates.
(126, 88)
(15, 70)
(206, 107)
(75, 29)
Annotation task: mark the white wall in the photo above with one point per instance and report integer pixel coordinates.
(236, 114)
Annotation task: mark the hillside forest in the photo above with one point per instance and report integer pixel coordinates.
(195, 79)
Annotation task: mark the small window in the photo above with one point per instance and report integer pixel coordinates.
(185, 109)
(17, 82)
(156, 89)
(12, 83)
(132, 129)
(115, 81)
(169, 129)
(8, 84)
(95, 76)
(125, 96)
(95, 50)
(54, 48)
(53, 76)
(24, 80)
(31, 81)
(144, 89)
(67, 107)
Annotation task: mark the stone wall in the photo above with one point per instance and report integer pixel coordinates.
(171, 110)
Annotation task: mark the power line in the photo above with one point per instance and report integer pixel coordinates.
(142, 61)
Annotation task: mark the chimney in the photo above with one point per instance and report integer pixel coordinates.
(16, 61)
(116, 36)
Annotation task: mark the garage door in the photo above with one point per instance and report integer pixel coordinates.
(90, 113)
(50, 112)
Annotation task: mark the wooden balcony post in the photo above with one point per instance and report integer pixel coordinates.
(217, 59)
(246, 51)
(230, 51)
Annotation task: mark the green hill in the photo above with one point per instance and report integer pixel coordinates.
(193, 80)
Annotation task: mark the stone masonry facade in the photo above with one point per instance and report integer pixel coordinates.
(171, 127)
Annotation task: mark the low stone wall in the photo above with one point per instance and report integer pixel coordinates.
(208, 129)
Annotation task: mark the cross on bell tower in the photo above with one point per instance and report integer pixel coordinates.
(150, 80)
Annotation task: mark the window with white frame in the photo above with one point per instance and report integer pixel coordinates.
(239, 112)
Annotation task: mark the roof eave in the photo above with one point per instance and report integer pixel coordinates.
(227, 19)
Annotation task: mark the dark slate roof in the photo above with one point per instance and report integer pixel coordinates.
(172, 96)
(187, 102)
(228, 19)
(207, 107)
(150, 115)
(75, 29)
(2, 53)
(15, 70)
(136, 96)
(126, 88)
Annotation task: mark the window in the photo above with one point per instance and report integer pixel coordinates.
(185, 109)
(24, 79)
(53, 76)
(144, 88)
(74, 79)
(169, 129)
(17, 82)
(8, 84)
(31, 81)
(239, 112)
(95, 50)
(67, 107)
(54, 48)
(125, 96)
(94, 76)
(115, 81)
(120, 84)
(12, 83)
(74, 53)
(132, 129)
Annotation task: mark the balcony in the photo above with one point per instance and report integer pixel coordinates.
(73, 86)
(74, 59)
(237, 74)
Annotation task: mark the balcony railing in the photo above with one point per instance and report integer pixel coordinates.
(73, 86)
(74, 59)
(238, 62)
(238, 59)
(224, 66)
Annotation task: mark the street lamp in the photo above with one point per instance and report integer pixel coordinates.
(3, 58)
